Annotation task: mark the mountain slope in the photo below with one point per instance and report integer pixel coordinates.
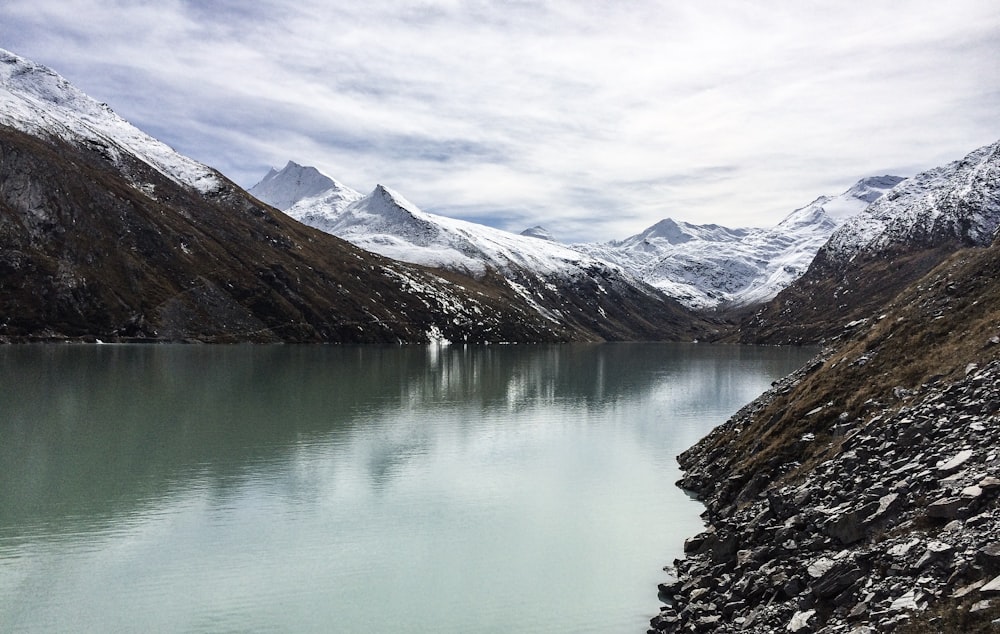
(893, 242)
(38, 101)
(83, 254)
(561, 284)
(106, 233)
(708, 266)
(860, 494)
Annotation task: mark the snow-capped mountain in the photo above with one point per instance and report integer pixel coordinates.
(891, 243)
(108, 234)
(284, 188)
(388, 224)
(559, 282)
(959, 201)
(36, 100)
(705, 266)
(539, 232)
(702, 266)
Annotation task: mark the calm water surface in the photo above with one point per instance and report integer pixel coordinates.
(359, 489)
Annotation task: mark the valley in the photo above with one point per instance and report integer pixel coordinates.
(857, 495)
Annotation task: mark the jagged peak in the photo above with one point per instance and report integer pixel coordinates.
(393, 198)
(294, 182)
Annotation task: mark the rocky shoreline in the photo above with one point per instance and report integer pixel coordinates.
(878, 523)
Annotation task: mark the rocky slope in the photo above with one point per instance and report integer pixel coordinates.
(860, 494)
(881, 250)
(107, 233)
(85, 254)
(709, 266)
(562, 285)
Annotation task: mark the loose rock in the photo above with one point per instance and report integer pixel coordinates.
(873, 535)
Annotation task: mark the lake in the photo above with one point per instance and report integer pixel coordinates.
(172, 488)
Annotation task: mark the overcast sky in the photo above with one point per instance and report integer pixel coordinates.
(594, 119)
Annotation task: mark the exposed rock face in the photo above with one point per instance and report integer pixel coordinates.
(861, 493)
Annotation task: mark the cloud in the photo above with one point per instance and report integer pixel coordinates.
(594, 119)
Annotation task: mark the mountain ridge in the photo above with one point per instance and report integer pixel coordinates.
(107, 233)
(547, 275)
(713, 267)
(39, 101)
(877, 253)
(702, 266)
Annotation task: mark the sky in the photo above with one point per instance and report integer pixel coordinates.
(592, 119)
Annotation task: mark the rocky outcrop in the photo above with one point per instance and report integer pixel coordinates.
(904, 516)
(860, 494)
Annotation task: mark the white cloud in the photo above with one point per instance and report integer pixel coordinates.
(595, 119)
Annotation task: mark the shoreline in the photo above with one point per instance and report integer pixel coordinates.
(892, 528)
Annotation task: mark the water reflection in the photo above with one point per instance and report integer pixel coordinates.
(294, 487)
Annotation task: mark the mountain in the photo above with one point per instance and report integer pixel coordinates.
(107, 233)
(878, 252)
(701, 266)
(860, 494)
(709, 266)
(563, 285)
(284, 188)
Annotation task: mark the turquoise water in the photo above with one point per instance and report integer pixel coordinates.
(357, 489)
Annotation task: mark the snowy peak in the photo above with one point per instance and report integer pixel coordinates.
(294, 182)
(959, 201)
(675, 233)
(874, 187)
(706, 266)
(30, 80)
(389, 203)
(860, 195)
(539, 232)
(386, 211)
(36, 100)
(826, 213)
(669, 231)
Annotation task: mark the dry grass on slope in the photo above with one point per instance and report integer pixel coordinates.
(931, 332)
